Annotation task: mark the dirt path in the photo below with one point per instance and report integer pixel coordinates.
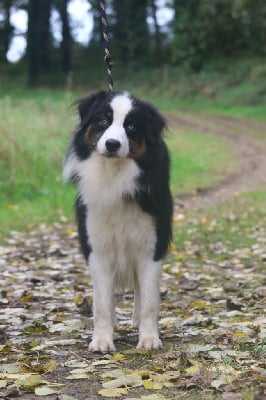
(250, 155)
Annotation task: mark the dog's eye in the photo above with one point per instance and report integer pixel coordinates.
(131, 127)
(103, 122)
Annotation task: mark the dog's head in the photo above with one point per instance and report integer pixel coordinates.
(116, 126)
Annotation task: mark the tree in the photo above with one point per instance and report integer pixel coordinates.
(157, 33)
(253, 17)
(190, 38)
(6, 29)
(65, 45)
(38, 39)
(130, 31)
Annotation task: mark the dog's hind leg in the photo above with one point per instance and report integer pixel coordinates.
(149, 284)
(103, 282)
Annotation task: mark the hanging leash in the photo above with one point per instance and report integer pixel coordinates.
(107, 58)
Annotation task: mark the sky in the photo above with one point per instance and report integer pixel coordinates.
(81, 20)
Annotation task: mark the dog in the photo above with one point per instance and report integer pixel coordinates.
(120, 163)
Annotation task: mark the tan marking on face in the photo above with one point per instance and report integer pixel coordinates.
(137, 149)
(91, 140)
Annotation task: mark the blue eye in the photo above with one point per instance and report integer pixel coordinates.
(131, 127)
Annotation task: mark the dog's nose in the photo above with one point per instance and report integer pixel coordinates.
(112, 145)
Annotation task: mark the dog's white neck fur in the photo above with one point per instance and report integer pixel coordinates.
(104, 182)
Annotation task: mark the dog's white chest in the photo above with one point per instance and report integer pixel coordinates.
(104, 182)
(118, 229)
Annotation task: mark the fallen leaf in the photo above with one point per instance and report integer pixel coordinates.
(3, 383)
(133, 380)
(81, 375)
(113, 392)
(66, 397)
(114, 373)
(29, 382)
(187, 284)
(45, 391)
(152, 385)
(50, 366)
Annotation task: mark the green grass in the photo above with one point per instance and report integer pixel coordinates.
(34, 131)
(197, 160)
(238, 223)
(35, 128)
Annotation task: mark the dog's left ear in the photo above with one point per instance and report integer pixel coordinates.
(84, 106)
(156, 123)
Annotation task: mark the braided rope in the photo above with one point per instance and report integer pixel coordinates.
(107, 58)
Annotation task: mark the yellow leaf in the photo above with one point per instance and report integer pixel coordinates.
(27, 298)
(151, 385)
(205, 221)
(45, 391)
(30, 381)
(172, 246)
(193, 370)
(50, 366)
(113, 392)
(70, 231)
(133, 380)
(12, 207)
(117, 357)
(178, 217)
(167, 376)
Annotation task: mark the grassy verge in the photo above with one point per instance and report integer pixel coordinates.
(35, 128)
(197, 160)
(237, 224)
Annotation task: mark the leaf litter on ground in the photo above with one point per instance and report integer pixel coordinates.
(213, 321)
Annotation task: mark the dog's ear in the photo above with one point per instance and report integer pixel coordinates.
(85, 105)
(156, 123)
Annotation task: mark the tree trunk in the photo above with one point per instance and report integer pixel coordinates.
(157, 34)
(6, 31)
(66, 37)
(38, 39)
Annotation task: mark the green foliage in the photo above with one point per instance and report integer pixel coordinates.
(204, 30)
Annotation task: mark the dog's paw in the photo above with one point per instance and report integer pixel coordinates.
(149, 343)
(102, 345)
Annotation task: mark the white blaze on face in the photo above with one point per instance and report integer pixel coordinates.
(121, 105)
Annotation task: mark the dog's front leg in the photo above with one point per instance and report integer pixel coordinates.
(149, 274)
(103, 307)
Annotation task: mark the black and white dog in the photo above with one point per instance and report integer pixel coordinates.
(120, 163)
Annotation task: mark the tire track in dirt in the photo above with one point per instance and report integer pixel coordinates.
(250, 154)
